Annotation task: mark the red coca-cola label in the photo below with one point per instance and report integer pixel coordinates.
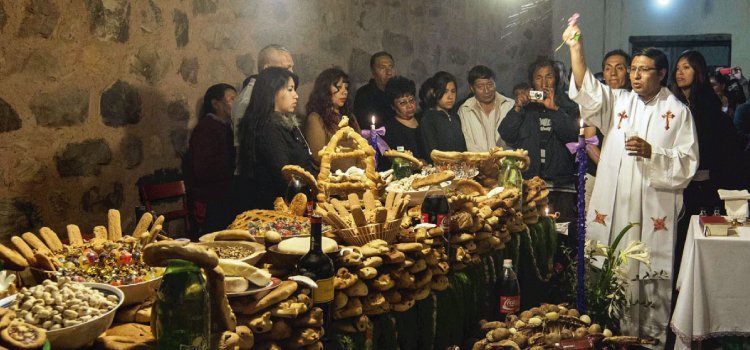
(445, 222)
(440, 219)
(510, 304)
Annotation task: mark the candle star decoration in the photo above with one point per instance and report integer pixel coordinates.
(660, 223)
(599, 218)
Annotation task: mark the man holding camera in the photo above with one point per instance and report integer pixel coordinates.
(538, 124)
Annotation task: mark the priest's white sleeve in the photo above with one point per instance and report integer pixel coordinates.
(673, 168)
(596, 101)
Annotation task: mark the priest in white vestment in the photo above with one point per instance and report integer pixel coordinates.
(649, 156)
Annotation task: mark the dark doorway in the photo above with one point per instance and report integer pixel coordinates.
(716, 48)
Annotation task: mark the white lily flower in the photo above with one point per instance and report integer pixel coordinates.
(636, 250)
(595, 248)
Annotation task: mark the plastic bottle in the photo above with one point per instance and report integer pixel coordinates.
(509, 292)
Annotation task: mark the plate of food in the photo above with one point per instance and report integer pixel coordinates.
(249, 252)
(417, 185)
(257, 291)
(241, 278)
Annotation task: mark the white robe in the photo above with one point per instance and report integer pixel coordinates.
(632, 189)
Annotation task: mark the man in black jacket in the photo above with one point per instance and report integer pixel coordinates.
(539, 125)
(370, 100)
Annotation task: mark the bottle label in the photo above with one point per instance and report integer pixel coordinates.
(309, 208)
(442, 220)
(445, 222)
(324, 292)
(510, 304)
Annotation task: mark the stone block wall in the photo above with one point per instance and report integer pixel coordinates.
(97, 94)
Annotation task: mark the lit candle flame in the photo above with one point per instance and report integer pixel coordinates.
(546, 211)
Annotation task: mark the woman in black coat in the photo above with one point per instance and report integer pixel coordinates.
(441, 126)
(270, 138)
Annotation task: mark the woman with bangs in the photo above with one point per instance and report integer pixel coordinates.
(328, 103)
(441, 126)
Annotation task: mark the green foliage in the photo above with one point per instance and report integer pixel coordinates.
(606, 287)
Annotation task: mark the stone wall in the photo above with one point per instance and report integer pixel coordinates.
(97, 94)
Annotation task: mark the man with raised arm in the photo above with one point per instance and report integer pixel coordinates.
(649, 156)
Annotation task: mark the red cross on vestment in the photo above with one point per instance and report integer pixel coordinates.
(622, 116)
(667, 116)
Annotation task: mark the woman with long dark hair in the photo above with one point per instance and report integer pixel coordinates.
(270, 138)
(208, 165)
(690, 83)
(328, 102)
(441, 126)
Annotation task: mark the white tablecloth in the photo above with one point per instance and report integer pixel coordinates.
(714, 285)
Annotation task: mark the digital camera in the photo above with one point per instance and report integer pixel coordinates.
(536, 95)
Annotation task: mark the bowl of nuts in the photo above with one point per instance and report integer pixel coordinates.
(73, 314)
(249, 252)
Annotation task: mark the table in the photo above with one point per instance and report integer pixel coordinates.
(714, 287)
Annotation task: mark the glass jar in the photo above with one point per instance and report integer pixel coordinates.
(401, 167)
(511, 177)
(183, 311)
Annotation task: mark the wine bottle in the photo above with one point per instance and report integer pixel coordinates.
(319, 267)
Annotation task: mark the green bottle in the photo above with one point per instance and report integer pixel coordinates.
(183, 312)
(512, 177)
(401, 167)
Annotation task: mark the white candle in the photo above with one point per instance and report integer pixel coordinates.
(372, 126)
(580, 133)
(546, 211)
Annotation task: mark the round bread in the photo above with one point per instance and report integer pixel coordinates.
(301, 245)
(288, 171)
(234, 284)
(405, 154)
(469, 186)
(23, 336)
(433, 179)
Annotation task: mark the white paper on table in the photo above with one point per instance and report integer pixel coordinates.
(734, 195)
(735, 203)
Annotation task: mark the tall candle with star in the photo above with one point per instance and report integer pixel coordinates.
(582, 160)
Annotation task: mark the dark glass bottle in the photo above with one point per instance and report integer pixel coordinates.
(295, 186)
(319, 267)
(183, 312)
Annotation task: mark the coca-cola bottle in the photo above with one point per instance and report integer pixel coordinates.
(435, 210)
(296, 185)
(508, 291)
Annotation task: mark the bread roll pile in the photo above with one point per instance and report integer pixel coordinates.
(285, 318)
(545, 326)
(377, 278)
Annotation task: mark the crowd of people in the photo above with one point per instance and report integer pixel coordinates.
(658, 138)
